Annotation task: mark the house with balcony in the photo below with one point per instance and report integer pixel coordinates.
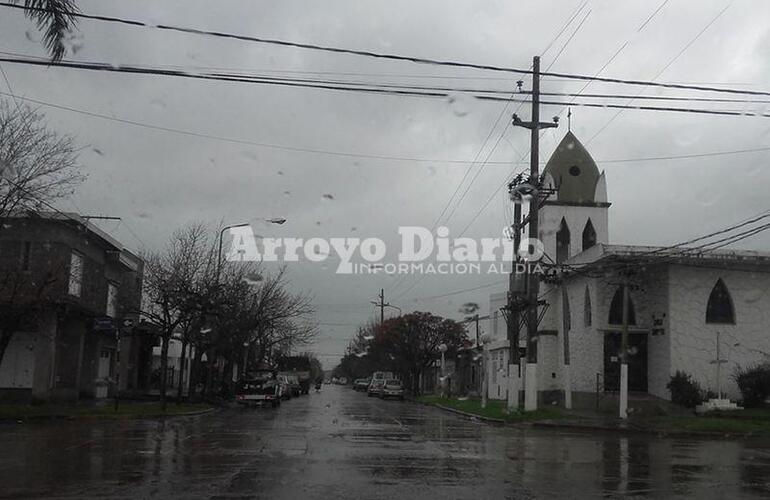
(69, 307)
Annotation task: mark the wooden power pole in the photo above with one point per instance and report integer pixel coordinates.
(533, 284)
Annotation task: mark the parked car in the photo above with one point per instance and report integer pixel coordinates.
(295, 386)
(361, 384)
(375, 387)
(392, 389)
(286, 392)
(260, 387)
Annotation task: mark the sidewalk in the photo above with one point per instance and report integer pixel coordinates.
(680, 422)
(101, 409)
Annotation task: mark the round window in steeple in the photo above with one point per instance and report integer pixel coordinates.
(574, 170)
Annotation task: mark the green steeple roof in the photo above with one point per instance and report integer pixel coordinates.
(573, 170)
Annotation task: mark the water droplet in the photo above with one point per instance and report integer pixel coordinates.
(287, 193)
(687, 136)
(73, 42)
(32, 36)
(250, 155)
(707, 196)
(431, 170)
(353, 229)
(460, 103)
(98, 151)
(280, 172)
(160, 104)
(327, 197)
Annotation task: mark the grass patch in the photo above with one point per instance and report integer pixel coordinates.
(125, 410)
(752, 420)
(495, 409)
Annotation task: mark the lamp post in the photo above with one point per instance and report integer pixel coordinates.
(484, 382)
(443, 349)
(274, 220)
(400, 312)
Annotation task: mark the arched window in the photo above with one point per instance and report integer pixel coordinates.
(587, 318)
(562, 242)
(589, 236)
(720, 305)
(616, 309)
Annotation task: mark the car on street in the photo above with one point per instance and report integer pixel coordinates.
(361, 384)
(375, 387)
(285, 383)
(259, 387)
(392, 389)
(295, 387)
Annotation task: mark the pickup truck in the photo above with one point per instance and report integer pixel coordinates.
(260, 387)
(302, 378)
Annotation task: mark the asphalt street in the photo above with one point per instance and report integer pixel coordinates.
(340, 444)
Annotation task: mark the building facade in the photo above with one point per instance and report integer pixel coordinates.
(706, 313)
(68, 291)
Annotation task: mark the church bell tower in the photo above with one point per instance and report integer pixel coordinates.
(575, 219)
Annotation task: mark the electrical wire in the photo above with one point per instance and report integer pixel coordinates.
(379, 55)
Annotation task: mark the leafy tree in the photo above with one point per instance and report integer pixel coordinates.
(406, 344)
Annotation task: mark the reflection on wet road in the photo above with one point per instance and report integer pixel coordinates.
(340, 444)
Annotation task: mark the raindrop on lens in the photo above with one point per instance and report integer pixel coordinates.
(460, 103)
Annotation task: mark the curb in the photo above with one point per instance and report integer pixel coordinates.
(47, 418)
(643, 430)
(466, 414)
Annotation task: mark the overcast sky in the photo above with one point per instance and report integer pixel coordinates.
(157, 181)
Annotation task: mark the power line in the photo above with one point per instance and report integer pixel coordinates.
(408, 93)
(345, 153)
(665, 67)
(566, 25)
(379, 55)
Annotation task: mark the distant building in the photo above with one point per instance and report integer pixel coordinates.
(684, 305)
(66, 289)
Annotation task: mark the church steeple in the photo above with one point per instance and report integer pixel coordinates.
(575, 173)
(575, 219)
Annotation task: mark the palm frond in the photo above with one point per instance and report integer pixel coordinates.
(55, 18)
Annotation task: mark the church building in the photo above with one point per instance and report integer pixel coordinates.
(703, 311)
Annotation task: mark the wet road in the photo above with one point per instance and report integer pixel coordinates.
(340, 444)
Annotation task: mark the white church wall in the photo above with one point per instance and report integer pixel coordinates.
(655, 300)
(549, 372)
(576, 218)
(586, 347)
(693, 341)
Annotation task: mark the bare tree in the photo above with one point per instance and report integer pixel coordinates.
(170, 279)
(37, 164)
(56, 18)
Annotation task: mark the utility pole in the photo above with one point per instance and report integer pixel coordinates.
(533, 288)
(382, 306)
(514, 317)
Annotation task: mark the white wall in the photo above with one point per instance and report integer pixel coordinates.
(576, 218)
(693, 341)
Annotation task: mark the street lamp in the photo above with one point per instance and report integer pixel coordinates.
(400, 312)
(443, 349)
(485, 339)
(274, 220)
